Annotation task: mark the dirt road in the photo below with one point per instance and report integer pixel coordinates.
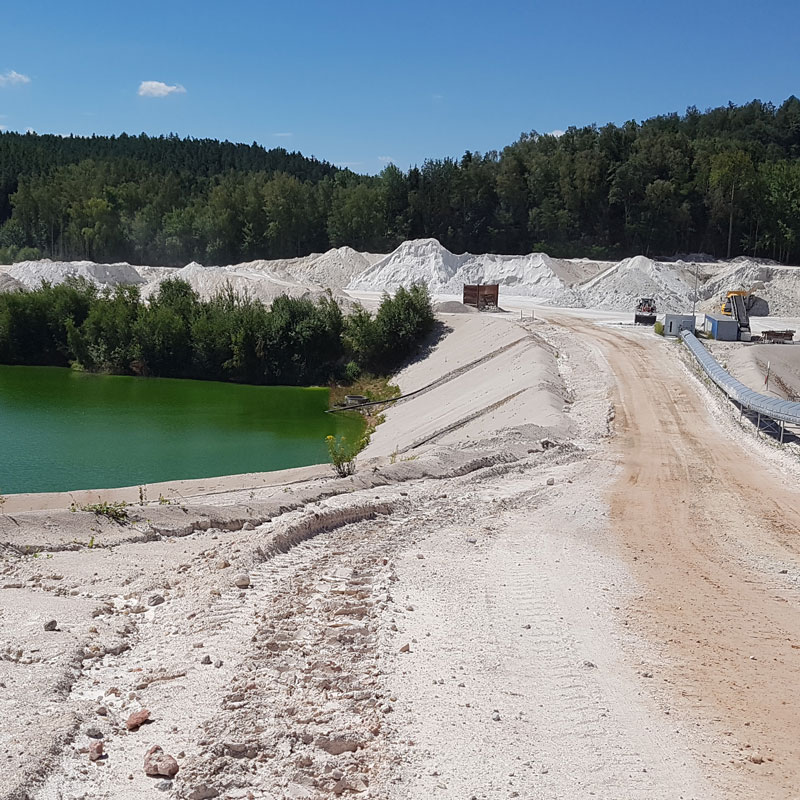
(712, 533)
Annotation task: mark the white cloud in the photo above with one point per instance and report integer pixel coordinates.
(13, 78)
(557, 132)
(386, 159)
(3, 127)
(159, 89)
(287, 135)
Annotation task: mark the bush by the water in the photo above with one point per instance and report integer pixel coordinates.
(291, 342)
(343, 454)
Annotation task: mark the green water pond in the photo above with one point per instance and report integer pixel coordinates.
(62, 430)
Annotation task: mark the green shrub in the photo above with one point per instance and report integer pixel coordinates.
(114, 511)
(343, 454)
(659, 328)
(352, 372)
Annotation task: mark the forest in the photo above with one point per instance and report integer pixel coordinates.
(231, 338)
(725, 181)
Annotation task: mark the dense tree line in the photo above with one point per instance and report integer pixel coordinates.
(232, 338)
(725, 181)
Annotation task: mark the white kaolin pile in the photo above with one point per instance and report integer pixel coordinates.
(549, 281)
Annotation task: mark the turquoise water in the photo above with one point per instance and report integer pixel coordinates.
(62, 430)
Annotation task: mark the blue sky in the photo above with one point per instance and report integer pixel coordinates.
(360, 83)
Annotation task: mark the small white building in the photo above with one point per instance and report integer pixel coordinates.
(675, 323)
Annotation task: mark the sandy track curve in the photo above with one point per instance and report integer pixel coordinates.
(711, 532)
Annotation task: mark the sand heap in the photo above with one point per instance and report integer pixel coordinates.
(778, 286)
(619, 287)
(31, 273)
(559, 282)
(246, 280)
(335, 268)
(427, 261)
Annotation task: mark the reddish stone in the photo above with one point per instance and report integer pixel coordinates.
(157, 764)
(137, 719)
(95, 751)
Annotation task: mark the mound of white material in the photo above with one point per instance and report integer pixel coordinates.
(31, 273)
(623, 284)
(334, 269)
(426, 261)
(257, 284)
(779, 286)
(417, 261)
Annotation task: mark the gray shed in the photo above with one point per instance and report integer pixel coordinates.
(725, 329)
(675, 323)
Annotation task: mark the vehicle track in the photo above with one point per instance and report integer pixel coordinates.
(710, 530)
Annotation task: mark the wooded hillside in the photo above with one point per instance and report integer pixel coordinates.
(725, 181)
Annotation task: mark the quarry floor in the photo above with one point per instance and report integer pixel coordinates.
(561, 572)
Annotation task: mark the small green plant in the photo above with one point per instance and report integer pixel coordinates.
(2, 501)
(143, 495)
(91, 542)
(343, 454)
(115, 511)
(658, 328)
(352, 372)
(164, 501)
(393, 456)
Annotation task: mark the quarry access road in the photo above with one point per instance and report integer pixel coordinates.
(709, 528)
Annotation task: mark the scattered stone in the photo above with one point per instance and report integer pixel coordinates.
(94, 733)
(589, 664)
(756, 758)
(242, 580)
(203, 792)
(248, 526)
(218, 663)
(223, 563)
(164, 786)
(206, 659)
(551, 481)
(472, 540)
(340, 743)
(420, 555)
(157, 764)
(496, 717)
(155, 600)
(527, 627)
(51, 625)
(137, 719)
(405, 648)
(95, 751)
(102, 711)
